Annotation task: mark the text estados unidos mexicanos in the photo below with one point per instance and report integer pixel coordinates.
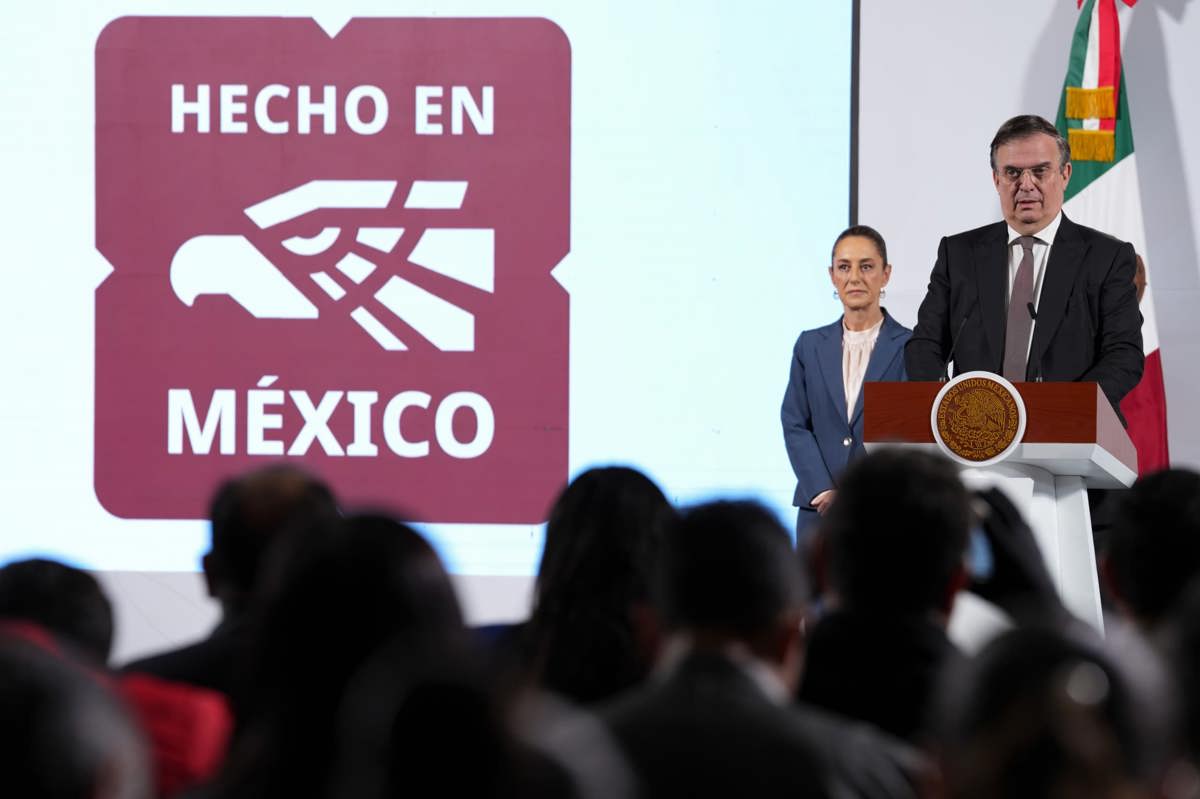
(186, 433)
(364, 109)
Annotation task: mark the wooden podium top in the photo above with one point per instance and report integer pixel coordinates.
(1070, 428)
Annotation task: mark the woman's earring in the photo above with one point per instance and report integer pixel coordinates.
(835, 294)
(882, 293)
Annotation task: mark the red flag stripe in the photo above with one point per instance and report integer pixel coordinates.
(1110, 54)
(1145, 408)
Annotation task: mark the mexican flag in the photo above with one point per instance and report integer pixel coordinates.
(1103, 193)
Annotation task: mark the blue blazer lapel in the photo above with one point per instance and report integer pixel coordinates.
(829, 360)
(887, 348)
(1066, 254)
(991, 265)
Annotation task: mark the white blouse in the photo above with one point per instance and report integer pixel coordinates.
(856, 352)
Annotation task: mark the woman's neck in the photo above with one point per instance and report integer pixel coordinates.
(859, 319)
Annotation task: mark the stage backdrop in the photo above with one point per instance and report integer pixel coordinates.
(446, 255)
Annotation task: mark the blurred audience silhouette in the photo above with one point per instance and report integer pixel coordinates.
(667, 654)
(1153, 550)
(1045, 711)
(716, 719)
(894, 544)
(589, 636)
(63, 600)
(63, 733)
(249, 516)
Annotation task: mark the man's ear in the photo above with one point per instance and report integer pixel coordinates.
(647, 631)
(786, 649)
(1108, 578)
(958, 581)
(206, 565)
(817, 562)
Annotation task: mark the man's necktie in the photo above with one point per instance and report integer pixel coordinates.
(1020, 322)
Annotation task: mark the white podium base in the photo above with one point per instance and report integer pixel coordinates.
(1056, 508)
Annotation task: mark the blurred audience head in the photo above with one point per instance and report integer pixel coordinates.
(66, 601)
(249, 514)
(729, 574)
(1042, 712)
(1184, 660)
(332, 597)
(413, 715)
(897, 533)
(602, 544)
(1153, 549)
(329, 600)
(62, 735)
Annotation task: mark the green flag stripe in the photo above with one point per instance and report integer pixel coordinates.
(1085, 172)
(1078, 52)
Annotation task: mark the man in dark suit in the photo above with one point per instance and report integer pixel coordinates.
(715, 719)
(1036, 297)
(249, 515)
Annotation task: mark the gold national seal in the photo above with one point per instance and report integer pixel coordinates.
(977, 419)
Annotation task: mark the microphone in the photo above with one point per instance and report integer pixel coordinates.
(1037, 373)
(954, 342)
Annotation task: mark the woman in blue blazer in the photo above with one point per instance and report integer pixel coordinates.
(823, 407)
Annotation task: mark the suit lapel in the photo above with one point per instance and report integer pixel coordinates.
(829, 358)
(1066, 254)
(886, 348)
(991, 264)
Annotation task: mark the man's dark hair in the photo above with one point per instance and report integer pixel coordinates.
(248, 513)
(897, 531)
(1154, 543)
(1024, 126)
(328, 600)
(867, 232)
(65, 601)
(728, 567)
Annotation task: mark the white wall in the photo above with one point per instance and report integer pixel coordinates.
(937, 79)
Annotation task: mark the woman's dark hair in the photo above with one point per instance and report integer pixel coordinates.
(602, 545)
(866, 232)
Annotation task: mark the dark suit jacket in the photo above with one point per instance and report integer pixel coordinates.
(707, 729)
(209, 663)
(1088, 325)
(815, 429)
(880, 669)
